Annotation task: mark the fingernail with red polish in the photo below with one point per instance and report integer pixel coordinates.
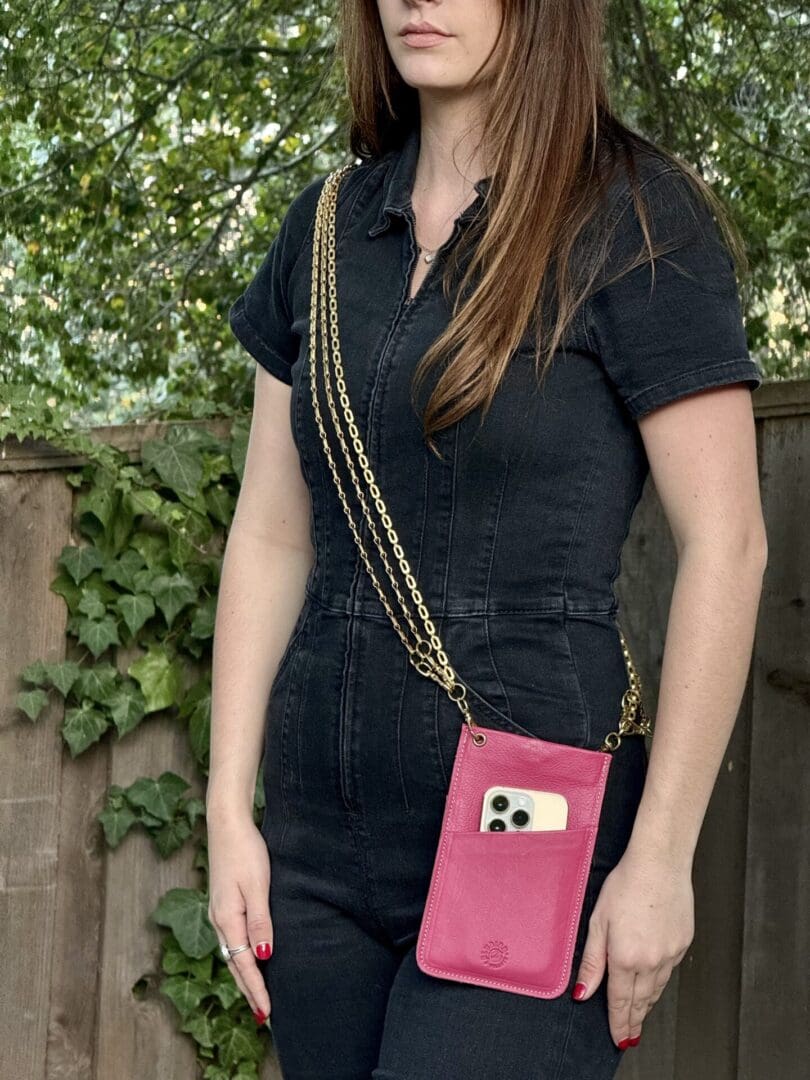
(579, 991)
(624, 1044)
(259, 1016)
(263, 950)
(636, 1039)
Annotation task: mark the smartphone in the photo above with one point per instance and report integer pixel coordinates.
(507, 809)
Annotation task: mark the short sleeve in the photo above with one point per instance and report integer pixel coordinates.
(260, 317)
(662, 335)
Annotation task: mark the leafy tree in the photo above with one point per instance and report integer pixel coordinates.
(725, 85)
(148, 149)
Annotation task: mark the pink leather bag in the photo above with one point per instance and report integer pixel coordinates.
(503, 908)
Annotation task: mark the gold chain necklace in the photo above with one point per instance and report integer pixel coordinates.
(426, 653)
(429, 254)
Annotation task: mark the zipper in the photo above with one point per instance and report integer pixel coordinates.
(406, 301)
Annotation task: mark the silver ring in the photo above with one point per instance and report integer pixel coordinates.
(227, 954)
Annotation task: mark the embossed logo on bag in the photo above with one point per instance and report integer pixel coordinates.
(494, 953)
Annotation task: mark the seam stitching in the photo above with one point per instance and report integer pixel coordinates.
(683, 376)
(486, 593)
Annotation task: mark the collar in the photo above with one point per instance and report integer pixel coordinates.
(398, 184)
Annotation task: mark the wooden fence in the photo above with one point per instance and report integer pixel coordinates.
(74, 914)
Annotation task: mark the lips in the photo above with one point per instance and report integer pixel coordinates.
(422, 28)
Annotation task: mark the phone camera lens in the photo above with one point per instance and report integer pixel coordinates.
(520, 818)
(497, 825)
(499, 803)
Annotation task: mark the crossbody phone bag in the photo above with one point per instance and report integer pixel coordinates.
(502, 908)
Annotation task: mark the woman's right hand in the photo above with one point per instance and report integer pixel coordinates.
(239, 900)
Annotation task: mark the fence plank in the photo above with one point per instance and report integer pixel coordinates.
(643, 590)
(35, 520)
(775, 1004)
(78, 914)
(141, 1027)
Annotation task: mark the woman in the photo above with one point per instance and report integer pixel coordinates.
(492, 175)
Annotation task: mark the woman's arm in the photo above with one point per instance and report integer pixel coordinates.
(703, 461)
(702, 454)
(267, 559)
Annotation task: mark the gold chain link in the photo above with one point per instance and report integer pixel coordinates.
(425, 652)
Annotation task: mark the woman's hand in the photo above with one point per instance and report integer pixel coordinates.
(640, 928)
(239, 907)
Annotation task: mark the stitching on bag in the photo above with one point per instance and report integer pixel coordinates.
(427, 936)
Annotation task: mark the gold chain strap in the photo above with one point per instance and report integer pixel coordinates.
(426, 653)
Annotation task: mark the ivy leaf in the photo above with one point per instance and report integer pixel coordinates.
(193, 808)
(32, 702)
(184, 992)
(135, 609)
(91, 604)
(63, 676)
(127, 707)
(179, 466)
(202, 623)
(172, 836)
(188, 534)
(149, 821)
(240, 429)
(246, 1070)
(107, 594)
(216, 1072)
(172, 593)
(80, 561)
(204, 571)
(98, 634)
(199, 729)
(192, 435)
(185, 912)
(217, 465)
(82, 727)
(236, 1043)
(118, 535)
(159, 677)
(220, 503)
(160, 796)
(225, 988)
(175, 962)
(66, 587)
(123, 569)
(151, 548)
(145, 501)
(35, 673)
(195, 503)
(98, 683)
(117, 817)
(100, 502)
(200, 1028)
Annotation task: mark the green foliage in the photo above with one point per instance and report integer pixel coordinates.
(724, 84)
(144, 576)
(148, 151)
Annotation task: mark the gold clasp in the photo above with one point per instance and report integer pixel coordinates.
(457, 692)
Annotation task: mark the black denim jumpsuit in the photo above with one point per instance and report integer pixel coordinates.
(515, 540)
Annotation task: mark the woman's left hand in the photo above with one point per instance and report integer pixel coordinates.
(640, 928)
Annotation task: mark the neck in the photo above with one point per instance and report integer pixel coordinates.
(450, 159)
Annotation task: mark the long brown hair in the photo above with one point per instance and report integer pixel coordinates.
(549, 119)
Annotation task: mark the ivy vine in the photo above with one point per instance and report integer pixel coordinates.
(144, 577)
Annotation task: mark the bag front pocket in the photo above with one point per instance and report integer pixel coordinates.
(503, 908)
